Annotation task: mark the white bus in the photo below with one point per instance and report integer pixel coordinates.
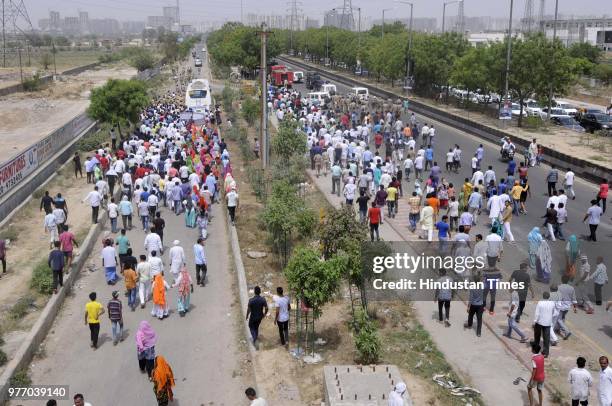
(197, 96)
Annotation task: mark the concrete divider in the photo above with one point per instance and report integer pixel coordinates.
(587, 170)
(28, 348)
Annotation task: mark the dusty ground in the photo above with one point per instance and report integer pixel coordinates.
(28, 117)
(30, 246)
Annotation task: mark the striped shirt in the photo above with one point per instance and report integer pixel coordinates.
(114, 309)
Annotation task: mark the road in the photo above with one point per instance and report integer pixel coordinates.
(598, 326)
(203, 348)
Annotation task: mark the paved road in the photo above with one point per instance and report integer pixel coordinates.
(597, 326)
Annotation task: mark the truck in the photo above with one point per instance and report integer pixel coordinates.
(313, 80)
(281, 76)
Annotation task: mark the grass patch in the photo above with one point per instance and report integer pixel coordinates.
(21, 308)
(9, 233)
(414, 350)
(42, 278)
(597, 158)
(21, 378)
(3, 358)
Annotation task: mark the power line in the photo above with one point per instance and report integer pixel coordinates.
(16, 24)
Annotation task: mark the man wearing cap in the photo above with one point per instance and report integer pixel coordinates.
(396, 396)
(232, 203)
(177, 259)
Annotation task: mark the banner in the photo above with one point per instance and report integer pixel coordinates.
(15, 170)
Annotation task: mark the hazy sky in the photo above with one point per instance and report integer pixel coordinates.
(219, 10)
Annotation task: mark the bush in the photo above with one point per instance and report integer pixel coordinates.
(142, 60)
(367, 340)
(250, 110)
(227, 97)
(21, 378)
(93, 141)
(32, 84)
(533, 122)
(3, 358)
(9, 233)
(21, 308)
(42, 278)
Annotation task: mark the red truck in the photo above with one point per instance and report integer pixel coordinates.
(280, 76)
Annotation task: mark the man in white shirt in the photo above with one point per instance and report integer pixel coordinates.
(252, 396)
(156, 263)
(177, 259)
(51, 228)
(605, 382)
(580, 381)
(95, 199)
(152, 242)
(232, 203)
(569, 183)
(281, 319)
(113, 214)
(542, 322)
(109, 262)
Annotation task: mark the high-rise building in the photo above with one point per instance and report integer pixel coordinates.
(72, 25)
(105, 26)
(55, 24)
(84, 21)
(159, 21)
(312, 23)
(171, 12)
(132, 27)
(335, 18)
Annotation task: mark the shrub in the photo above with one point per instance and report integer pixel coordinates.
(9, 233)
(250, 110)
(533, 122)
(32, 84)
(367, 340)
(21, 308)
(42, 278)
(142, 60)
(3, 358)
(21, 378)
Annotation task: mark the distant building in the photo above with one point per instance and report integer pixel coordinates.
(483, 38)
(335, 18)
(418, 24)
(132, 27)
(72, 26)
(159, 21)
(84, 21)
(55, 23)
(312, 23)
(171, 12)
(595, 31)
(105, 26)
(44, 24)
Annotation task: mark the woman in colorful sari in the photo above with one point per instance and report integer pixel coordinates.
(535, 239)
(160, 304)
(185, 288)
(544, 263)
(572, 254)
(163, 381)
(190, 213)
(145, 347)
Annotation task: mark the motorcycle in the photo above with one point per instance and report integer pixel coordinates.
(507, 154)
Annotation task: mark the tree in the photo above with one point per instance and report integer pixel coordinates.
(118, 102)
(168, 45)
(603, 72)
(46, 60)
(142, 60)
(586, 51)
(471, 71)
(289, 141)
(250, 110)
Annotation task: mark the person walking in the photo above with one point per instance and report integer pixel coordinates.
(444, 296)
(143, 269)
(475, 307)
(163, 381)
(551, 179)
(79, 400)
(521, 276)
(396, 396)
(68, 242)
(374, 218)
(143, 212)
(51, 228)
(232, 204)
(199, 254)
(56, 264)
(593, 214)
(3, 255)
(506, 220)
(567, 300)
(145, 347)
(113, 214)
(95, 199)
(542, 322)
(131, 283)
(580, 381)
(126, 210)
(512, 314)
(160, 302)
(153, 242)
(177, 259)
(281, 318)
(426, 219)
(115, 314)
(569, 183)
(46, 203)
(537, 374)
(185, 289)
(600, 278)
(604, 391)
(93, 311)
(109, 262)
(256, 311)
(602, 194)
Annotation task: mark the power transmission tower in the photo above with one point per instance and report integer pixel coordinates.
(294, 16)
(347, 19)
(541, 15)
(460, 18)
(15, 25)
(528, 21)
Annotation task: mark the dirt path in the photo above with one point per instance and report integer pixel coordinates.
(29, 117)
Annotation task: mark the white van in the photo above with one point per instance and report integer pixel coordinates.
(317, 98)
(298, 76)
(329, 88)
(361, 92)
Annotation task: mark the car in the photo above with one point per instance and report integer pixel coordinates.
(361, 92)
(596, 122)
(532, 107)
(298, 76)
(329, 88)
(198, 63)
(516, 110)
(567, 122)
(554, 112)
(568, 108)
(317, 99)
(361, 71)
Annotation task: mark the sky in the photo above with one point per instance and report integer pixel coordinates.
(195, 11)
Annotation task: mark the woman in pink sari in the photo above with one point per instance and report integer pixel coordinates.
(185, 288)
(145, 346)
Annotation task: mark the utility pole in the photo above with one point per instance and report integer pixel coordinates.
(263, 127)
(446, 3)
(550, 91)
(54, 51)
(359, 29)
(408, 54)
(3, 35)
(508, 54)
(382, 31)
(20, 67)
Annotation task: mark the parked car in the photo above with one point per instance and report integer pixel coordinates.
(198, 63)
(596, 121)
(516, 110)
(554, 112)
(567, 122)
(318, 99)
(361, 92)
(329, 88)
(361, 71)
(566, 107)
(532, 107)
(298, 77)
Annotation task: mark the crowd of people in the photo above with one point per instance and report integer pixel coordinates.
(377, 155)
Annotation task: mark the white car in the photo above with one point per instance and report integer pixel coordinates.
(329, 88)
(516, 110)
(317, 99)
(361, 92)
(532, 107)
(298, 76)
(198, 63)
(568, 108)
(554, 112)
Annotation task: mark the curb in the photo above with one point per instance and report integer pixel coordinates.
(37, 334)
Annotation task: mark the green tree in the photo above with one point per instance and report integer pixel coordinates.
(585, 50)
(46, 60)
(118, 102)
(142, 59)
(472, 70)
(289, 141)
(603, 72)
(168, 43)
(250, 110)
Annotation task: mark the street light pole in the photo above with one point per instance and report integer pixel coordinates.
(382, 31)
(446, 3)
(408, 55)
(327, 39)
(550, 90)
(508, 53)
